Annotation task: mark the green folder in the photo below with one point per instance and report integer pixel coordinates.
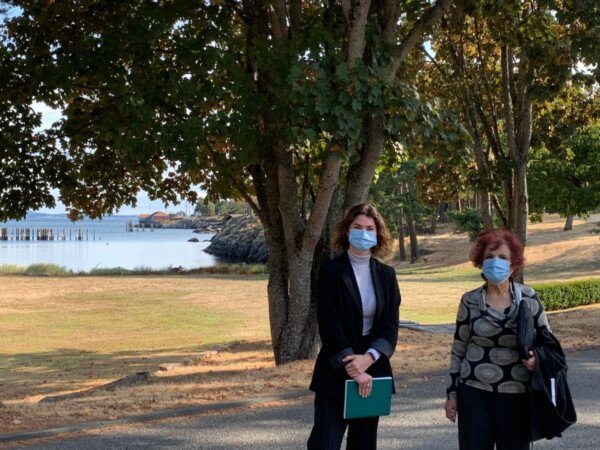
(378, 403)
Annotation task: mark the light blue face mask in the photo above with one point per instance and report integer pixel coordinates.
(362, 239)
(496, 270)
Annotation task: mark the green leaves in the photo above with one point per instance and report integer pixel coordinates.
(568, 182)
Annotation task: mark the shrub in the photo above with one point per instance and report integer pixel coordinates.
(569, 294)
(120, 271)
(12, 269)
(467, 221)
(233, 269)
(222, 269)
(46, 269)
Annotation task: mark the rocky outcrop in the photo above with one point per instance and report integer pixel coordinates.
(241, 240)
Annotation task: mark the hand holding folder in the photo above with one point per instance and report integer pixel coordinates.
(378, 403)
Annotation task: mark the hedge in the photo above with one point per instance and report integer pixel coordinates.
(569, 294)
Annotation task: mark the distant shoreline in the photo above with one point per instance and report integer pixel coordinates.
(31, 215)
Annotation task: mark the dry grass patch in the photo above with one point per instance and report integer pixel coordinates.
(578, 327)
(246, 369)
(551, 254)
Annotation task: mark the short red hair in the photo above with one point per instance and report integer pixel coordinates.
(496, 237)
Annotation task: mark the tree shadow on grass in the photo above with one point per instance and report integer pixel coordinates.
(31, 375)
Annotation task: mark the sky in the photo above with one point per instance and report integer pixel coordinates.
(144, 204)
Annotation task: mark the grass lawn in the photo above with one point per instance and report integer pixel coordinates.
(74, 334)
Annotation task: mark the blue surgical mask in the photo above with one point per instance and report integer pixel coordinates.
(362, 239)
(496, 270)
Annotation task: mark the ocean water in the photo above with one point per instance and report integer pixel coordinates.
(106, 243)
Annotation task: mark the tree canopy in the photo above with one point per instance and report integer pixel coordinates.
(285, 104)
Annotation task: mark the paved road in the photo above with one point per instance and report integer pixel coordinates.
(417, 422)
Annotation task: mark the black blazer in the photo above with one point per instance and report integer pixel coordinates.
(339, 313)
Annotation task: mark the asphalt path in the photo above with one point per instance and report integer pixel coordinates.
(417, 422)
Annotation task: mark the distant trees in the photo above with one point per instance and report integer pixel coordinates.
(205, 208)
(568, 182)
(497, 62)
(564, 163)
(222, 207)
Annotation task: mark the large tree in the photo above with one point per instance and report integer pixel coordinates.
(283, 103)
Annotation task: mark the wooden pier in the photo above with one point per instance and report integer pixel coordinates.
(130, 226)
(47, 234)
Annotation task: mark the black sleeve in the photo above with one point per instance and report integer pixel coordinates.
(330, 327)
(385, 341)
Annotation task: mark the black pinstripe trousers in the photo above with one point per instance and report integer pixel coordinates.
(330, 426)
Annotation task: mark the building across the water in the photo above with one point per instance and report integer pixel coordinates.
(155, 219)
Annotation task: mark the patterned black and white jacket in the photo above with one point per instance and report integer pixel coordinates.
(484, 352)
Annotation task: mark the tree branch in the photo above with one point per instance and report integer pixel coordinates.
(360, 174)
(414, 36)
(357, 24)
(486, 83)
(293, 224)
(509, 115)
(278, 19)
(345, 5)
(252, 203)
(390, 20)
(295, 13)
(320, 210)
(440, 69)
(499, 210)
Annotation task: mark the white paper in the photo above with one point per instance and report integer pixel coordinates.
(553, 390)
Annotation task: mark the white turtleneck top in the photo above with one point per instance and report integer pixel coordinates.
(361, 266)
(362, 273)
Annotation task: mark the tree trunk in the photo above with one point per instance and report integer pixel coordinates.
(442, 211)
(485, 208)
(298, 337)
(521, 203)
(517, 114)
(568, 224)
(277, 292)
(414, 246)
(401, 244)
(433, 225)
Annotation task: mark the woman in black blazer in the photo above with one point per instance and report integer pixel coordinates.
(357, 310)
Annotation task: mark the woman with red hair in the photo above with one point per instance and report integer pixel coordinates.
(488, 380)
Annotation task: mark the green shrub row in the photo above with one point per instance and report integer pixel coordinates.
(568, 294)
(54, 270)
